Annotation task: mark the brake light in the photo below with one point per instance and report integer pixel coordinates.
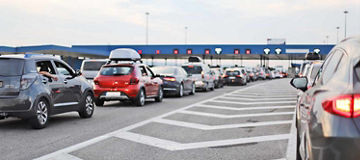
(224, 76)
(26, 81)
(238, 76)
(134, 81)
(346, 106)
(202, 74)
(170, 79)
(96, 82)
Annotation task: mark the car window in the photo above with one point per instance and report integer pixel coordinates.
(45, 66)
(192, 69)
(93, 65)
(232, 73)
(116, 70)
(331, 66)
(63, 69)
(164, 70)
(13, 67)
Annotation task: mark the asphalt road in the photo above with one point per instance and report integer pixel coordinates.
(224, 124)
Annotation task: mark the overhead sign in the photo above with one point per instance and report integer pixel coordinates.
(317, 50)
(276, 41)
(176, 51)
(189, 51)
(301, 51)
(207, 51)
(266, 51)
(248, 51)
(157, 51)
(218, 50)
(278, 50)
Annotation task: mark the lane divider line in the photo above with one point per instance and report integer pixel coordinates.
(254, 103)
(234, 116)
(243, 108)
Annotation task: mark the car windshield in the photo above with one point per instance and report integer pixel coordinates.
(14, 67)
(93, 66)
(115, 71)
(232, 73)
(164, 70)
(192, 69)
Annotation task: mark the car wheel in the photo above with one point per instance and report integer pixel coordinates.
(99, 102)
(41, 115)
(160, 95)
(140, 98)
(87, 106)
(193, 89)
(181, 91)
(213, 87)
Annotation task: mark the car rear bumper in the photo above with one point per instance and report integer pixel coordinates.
(126, 93)
(200, 84)
(171, 87)
(236, 81)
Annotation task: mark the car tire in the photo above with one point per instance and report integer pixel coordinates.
(213, 87)
(41, 118)
(160, 96)
(181, 91)
(87, 106)
(140, 98)
(193, 89)
(99, 102)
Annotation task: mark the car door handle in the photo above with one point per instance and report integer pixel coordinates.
(65, 81)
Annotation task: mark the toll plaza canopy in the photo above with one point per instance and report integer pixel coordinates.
(216, 51)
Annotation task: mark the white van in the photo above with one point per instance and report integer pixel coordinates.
(91, 67)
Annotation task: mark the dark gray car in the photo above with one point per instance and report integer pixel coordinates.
(27, 94)
(328, 117)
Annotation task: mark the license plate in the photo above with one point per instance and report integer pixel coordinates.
(113, 94)
(1, 84)
(231, 77)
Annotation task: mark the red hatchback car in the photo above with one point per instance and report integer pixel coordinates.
(127, 80)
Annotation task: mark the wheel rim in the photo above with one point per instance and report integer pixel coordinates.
(160, 93)
(42, 112)
(181, 91)
(89, 105)
(142, 97)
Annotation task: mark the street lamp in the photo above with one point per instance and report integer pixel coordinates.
(345, 12)
(337, 34)
(186, 29)
(147, 28)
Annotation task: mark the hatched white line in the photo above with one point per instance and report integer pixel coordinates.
(260, 96)
(243, 108)
(253, 103)
(105, 136)
(215, 127)
(172, 146)
(292, 143)
(234, 116)
(66, 157)
(258, 99)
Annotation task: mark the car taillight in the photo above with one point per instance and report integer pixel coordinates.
(202, 75)
(134, 81)
(27, 81)
(96, 82)
(346, 106)
(224, 76)
(238, 76)
(170, 79)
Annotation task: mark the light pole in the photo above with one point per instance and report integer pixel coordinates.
(186, 29)
(345, 12)
(337, 34)
(147, 28)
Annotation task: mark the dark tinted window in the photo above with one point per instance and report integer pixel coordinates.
(164, 70)
(11, 67)
(63, 69)
(93, 66)
(191, 69)
(45, 66)
(232, 73)
(116, 71)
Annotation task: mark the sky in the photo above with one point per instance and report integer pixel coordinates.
(69, 22)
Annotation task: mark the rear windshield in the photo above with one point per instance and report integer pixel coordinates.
(93, 66)
(164, 70)
(11, 67)
(190, 69)
(232, 73)
(116, 71)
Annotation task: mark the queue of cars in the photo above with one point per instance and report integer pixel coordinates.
(328, 109)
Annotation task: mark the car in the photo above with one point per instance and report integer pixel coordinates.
(328, 119)
(200, 73)
(125, 78)
(260, 72)
(235, 76)
(90, 68)
(27, 94)
(268, 74)
(176, 81)
(252, 75)
(277, 74)
(219, 80)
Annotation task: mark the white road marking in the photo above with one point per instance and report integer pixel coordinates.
(254, 103)
(215, 127)
(105, 136)
(258, 99)
(234, 116)
(243, 108)
(66, 157)
(172, 146)
(260, 96)
(292, 143)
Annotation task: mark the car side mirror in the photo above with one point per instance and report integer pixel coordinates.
(77, 73)
(300, 83)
